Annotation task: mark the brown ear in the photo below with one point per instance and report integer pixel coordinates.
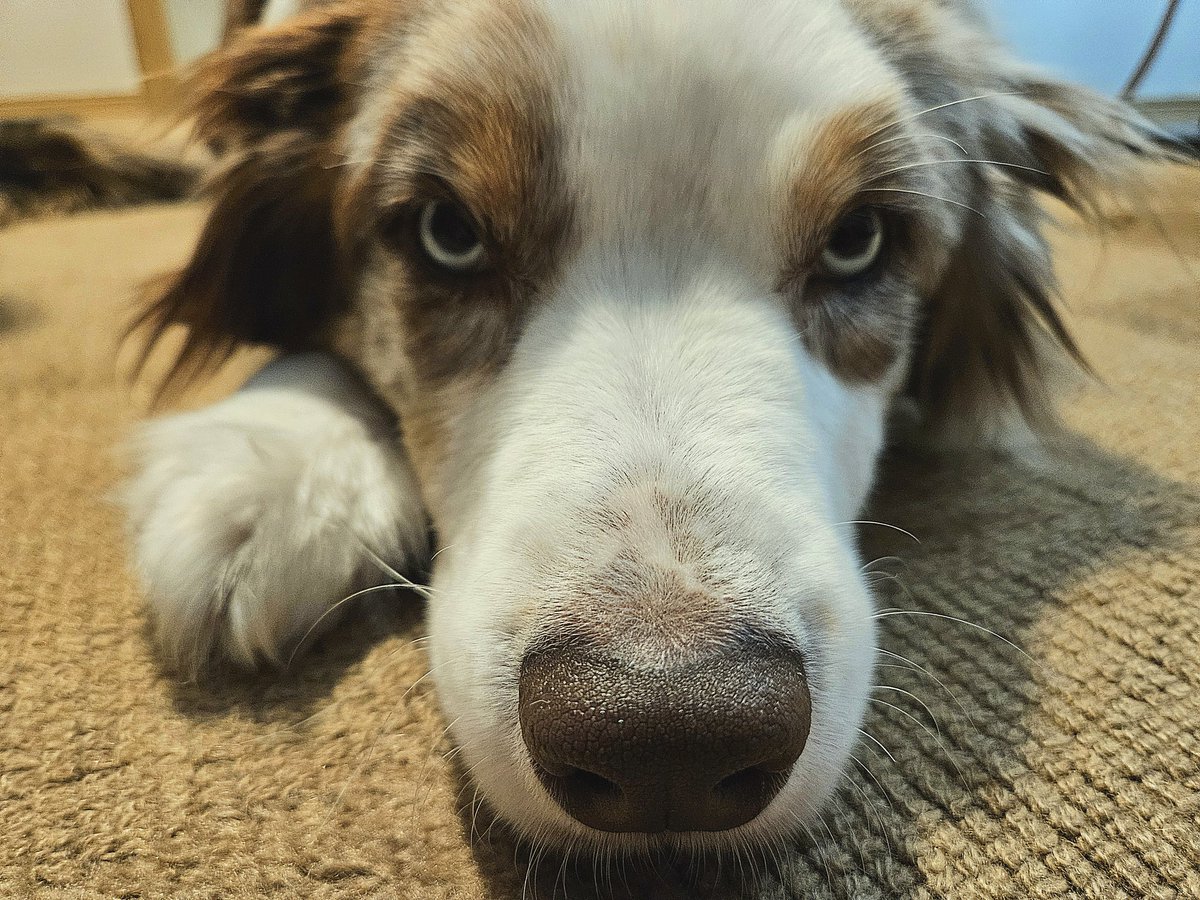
(992, 331)
(991, 326)
(268, 267)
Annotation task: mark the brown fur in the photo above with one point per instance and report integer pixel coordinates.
(270, 266)
(241, 14)
(844, 156)
(989, 320)
(280, 99)
(859, 329)
(487, 138)
(299, 77)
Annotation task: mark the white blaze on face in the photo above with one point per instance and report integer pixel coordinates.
(663, 361)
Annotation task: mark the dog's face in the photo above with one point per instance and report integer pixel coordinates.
(641, 295)
(642, 282)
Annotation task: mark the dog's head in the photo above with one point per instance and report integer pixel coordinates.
(642, 282)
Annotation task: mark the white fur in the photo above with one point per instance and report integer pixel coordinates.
(250, 518)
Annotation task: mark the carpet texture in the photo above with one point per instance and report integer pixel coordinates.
(1068, 767)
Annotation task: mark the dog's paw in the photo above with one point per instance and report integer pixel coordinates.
(252, 518)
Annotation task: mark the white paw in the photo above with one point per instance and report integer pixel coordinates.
(252, 518)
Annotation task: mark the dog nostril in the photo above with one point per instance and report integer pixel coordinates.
(588, 784)
(752, 784)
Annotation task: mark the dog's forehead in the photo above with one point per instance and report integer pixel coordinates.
(689, 79)
(705, 113)
(671, 106)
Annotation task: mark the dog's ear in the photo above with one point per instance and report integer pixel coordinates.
(992, 332)
(268, 267)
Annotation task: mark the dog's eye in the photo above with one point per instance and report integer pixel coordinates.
(854, 245)
(449, 238)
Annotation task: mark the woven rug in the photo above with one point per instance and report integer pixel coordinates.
(1047, 749)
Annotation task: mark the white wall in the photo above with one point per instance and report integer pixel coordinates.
(67, 48)
(195, 26)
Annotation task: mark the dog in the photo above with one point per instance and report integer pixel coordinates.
(618, 299)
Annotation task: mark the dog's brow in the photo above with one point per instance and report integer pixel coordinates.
(848, 155)
(419, 141)
(841, 154)
(477, 110)
(491, 154)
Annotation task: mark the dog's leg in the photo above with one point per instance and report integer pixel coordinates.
(252, 518)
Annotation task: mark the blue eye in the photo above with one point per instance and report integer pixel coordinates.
(449, 237)
(854, 245)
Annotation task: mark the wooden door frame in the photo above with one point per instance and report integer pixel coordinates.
(152, 37)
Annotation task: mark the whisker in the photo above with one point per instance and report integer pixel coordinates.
(828, 831)
(889, 613)
(880, 559)
(930, 196)
(473, 834)
(925, 728)
(882, 791)
(916, 699)
(425, 772)
(874, 740)
(949, 162)
(904, 137)
(883, 525)
(941, 106)
(562, 872)
(882, 576)
(929, 674)
(844, 804)
(423, 589)
(322, 617)
(878, 817)
(817, 855)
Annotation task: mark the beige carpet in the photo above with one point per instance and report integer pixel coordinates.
(1073, 771)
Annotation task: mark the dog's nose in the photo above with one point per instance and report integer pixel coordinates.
(703, 745)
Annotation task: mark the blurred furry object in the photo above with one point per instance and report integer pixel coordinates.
(56, 166)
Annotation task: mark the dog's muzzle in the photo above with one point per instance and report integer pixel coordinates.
(699, 744)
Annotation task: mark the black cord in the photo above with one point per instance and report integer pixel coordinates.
(1143, 68)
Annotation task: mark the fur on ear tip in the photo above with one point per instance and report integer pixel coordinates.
(274, 78)
(1084, 145)
(994, 343)
(269, 267)
(186, 361)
